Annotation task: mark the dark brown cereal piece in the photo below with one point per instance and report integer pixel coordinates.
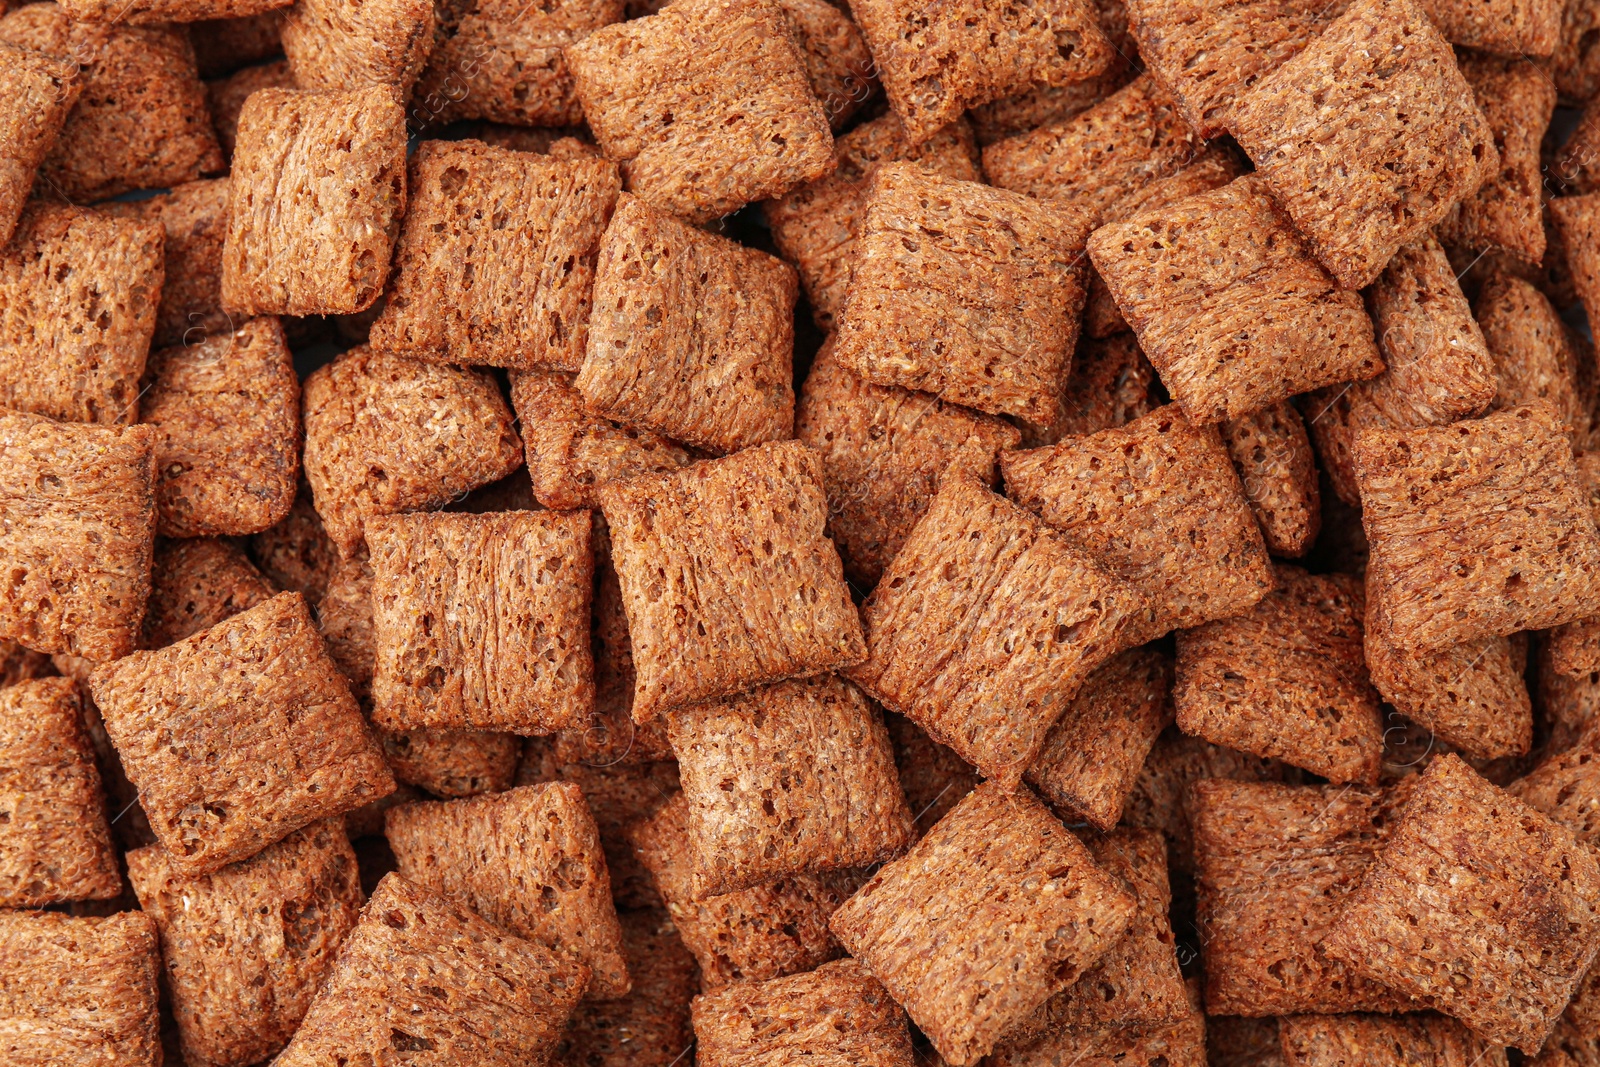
(1160, 504)
(529, 861)
(755, 934)
(1111, 385)
(1234, 1041)
(1422, 1040)
(1505, 213)
(1577, 164)
(1272, 864)
(225, 98)
(318, 190)
(194, 217)
(1535, 358)
(986, 624)
(246, 947)
(1178, 1044)
(815, 226)
(692, 334)
(344, 615)
(928, 925)
(1577, 220)
(1092, 757)
(1566, 787)
(706, 105)
(56, 965)
(1574, 647)
(511, 493)
(884, 450)
(1478, 529)
(297, 554)
(495, 262)
(422, 974)
(239, 735)
(195, 583)
(38, 91)
(226, 413)
(842, 73)
(964, 290)
(84, 288)
(338, 44)
(18, 664)
(138, 12)
(1272, 454)
(453, 763)
(80, 527)
(1575, 64)
(650, 1026)
(1462, 850)
(54, 841)
(222, 46)
(1407, 140)
(725, 620)
(386, 434)
(937, 64)
(1502, 27)
(1229, 305)
(837, 1013)
(1044, 105)
(934, 777)
(1208, 55)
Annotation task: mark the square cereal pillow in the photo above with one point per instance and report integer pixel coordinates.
(337, 44)
(37, 92)
(194, 216)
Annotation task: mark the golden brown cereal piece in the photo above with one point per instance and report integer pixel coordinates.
(992, 913)
(80, 525)
(1366, 154)
(986, 624)
(708, 620)
(1566, 787)
(139, 12)
(837, 1014)
(1424, 1040)
(1574, 647)
(222, 46)
(227, 418)
(1503, 27)
(1111, 385)
(385, 435)
(344, 615)
(529, 861)
(453, 763)
(194, 217)
(1505, 213)
(1461, 851)
(18, 664)
(1478, 529)
(842, 73)
(297, 554)
(1272, 454)
(421, 974)
(1092, 757)
(692, 334)
(482, 620)
(340, 44)
(195, 583)
(55, 966)
(1575, 64)
(966, 291)
(226, 96)
(246, 947)
(109, 144)
(937, 63)
(495, 262)
(318, 190)
(650, 1026)
(706, 105)
(38, 91)
(54, 841)
(1234, 1041)
(1577, 220)
(1272, 865)
(1229, 305)
(792, 778)
(1286, 679)
(755, 934)
(815, 226)
(1179, 1044)
(1534, 357)
(83, 288)
(1160, 504)
(884, 450)
(239, 735)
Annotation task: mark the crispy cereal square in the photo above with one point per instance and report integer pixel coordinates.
(884, 450)
(1159, 503)
(1535, 358)
(692, 335)
(1479, 903)
(386, 434)
(529, 861)
(650, 1026)
(1384, 1041)
(80, 523)
(987, 623)
(1368, 137)
(495, 263)
(1272, 454)
(318, 191)
(18, 664)
(1111, 385)
(706, 105)
(239, 735)
(1566, 787)
(246, 947)
(195, 583)
(83, 288)
(937, 63)
(708, 619)
(226, 96)
(222, 46)
(1478, 529)
(963, 290)
(297, 554)
(57, 965)
(421, 974)
(453, 763)
(139, 12)
(1577, 222)
(55, 844)
(38, 92)
(992, 913)
(1179, 1044)
(194, 217)
(839, 66)
(837, 1013)
(1229, 305)
(933, 776)
(1503, 27)
(1574, 647)
(793, 778)
(337, 44)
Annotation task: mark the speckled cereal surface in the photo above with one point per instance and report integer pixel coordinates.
(38, 91)
(1421, 1040)
(195, 583)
